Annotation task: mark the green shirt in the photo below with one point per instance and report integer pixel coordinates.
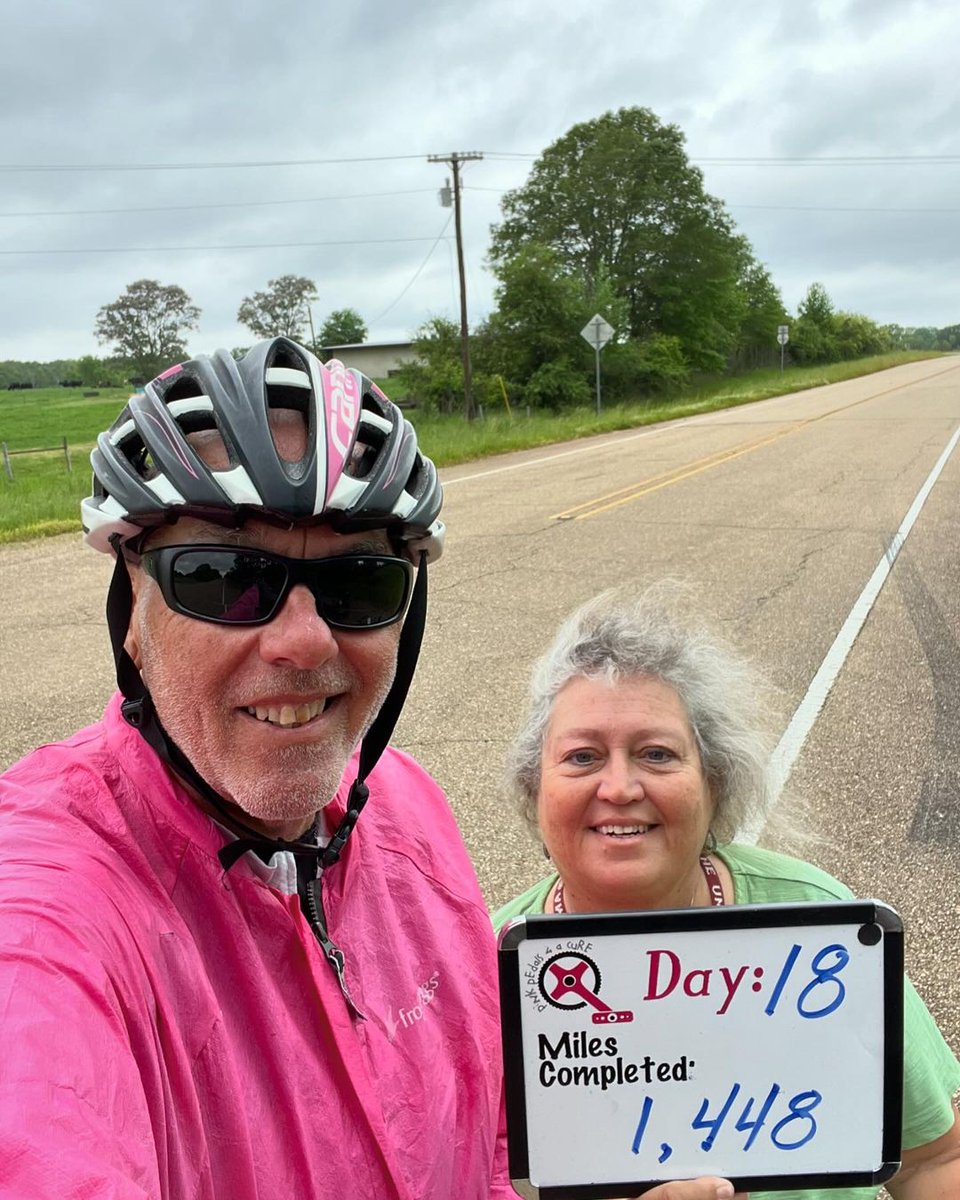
(931, 1073)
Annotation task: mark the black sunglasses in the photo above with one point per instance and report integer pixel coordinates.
(237, 585)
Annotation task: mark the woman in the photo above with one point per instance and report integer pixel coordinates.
(641, 758)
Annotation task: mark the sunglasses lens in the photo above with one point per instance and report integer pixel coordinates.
(246, 587)
(234, 586)
(358, 593)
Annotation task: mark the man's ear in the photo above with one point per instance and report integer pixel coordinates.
(132, 641)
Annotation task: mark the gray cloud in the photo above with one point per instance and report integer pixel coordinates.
(132, 83)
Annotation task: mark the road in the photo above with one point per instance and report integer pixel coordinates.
(776, 513)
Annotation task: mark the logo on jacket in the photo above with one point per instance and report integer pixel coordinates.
(426, 994)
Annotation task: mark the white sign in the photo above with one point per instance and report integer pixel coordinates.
(597, 332)
(761, 1043)
(783, 334)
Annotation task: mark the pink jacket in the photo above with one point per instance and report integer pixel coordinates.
(171, 1031)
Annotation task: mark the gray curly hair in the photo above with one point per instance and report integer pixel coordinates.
(619, 636)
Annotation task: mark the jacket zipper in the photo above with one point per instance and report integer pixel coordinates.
(312, 905)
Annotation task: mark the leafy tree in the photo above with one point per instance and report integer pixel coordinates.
(89, 370)
(922, 337)
(434, 377)
(816, 307)
(948, 338)
(856, 336)
(762, 312)
(813, 334)
(653, 366)
(283, 310)
(343, 327)
(541, 309)
(147, 324)
(616, 198)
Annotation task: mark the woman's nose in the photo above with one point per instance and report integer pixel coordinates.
(298, 636)
(620, 781)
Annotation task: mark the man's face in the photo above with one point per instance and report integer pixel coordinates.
(269, 714)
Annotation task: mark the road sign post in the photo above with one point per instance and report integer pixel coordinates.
(783, 336)
(597, 332)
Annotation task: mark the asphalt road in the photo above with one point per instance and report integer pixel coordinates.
(776, 513)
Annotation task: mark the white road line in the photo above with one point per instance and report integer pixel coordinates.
(791, 743)
(535, 462)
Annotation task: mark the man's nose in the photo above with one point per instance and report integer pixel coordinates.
(298, 636)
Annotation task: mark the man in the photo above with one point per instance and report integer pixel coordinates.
(214, 985)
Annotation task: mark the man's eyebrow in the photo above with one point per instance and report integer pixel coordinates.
(371, 545)
(376, 542)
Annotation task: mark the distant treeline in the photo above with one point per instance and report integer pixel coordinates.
(93, 372)
(86, 372)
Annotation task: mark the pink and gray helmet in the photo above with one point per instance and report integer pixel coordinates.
(361, 468)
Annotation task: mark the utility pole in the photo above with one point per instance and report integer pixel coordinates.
(455, 160)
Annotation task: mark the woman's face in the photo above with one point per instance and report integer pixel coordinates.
(624, 808)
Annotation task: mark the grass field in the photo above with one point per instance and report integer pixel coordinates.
(43, 497)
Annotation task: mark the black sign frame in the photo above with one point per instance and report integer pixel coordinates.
(593, 926)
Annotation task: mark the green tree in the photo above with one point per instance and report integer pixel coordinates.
(147, 325)
(343, 327)
(616, 197)
(540, 311)
(948, 338)
(762, 312)
(921, 337)
(856, 336)
(434, 377)
(283, 310)
(813, 335)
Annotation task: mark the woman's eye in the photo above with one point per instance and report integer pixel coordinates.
(581, 758)
(658, 754)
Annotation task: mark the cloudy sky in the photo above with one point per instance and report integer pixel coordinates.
(185, 142)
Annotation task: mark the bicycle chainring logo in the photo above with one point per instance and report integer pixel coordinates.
(572, 981)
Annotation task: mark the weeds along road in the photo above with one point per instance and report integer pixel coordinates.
(778, 514)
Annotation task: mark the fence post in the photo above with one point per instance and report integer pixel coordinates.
(6, 460)
(66, 455)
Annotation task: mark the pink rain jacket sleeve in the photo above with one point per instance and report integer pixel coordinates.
(173, 1032)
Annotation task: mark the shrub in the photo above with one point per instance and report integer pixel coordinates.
(557, 384)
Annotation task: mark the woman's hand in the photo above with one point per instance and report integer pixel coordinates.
(708, 1188)
(930, 1172)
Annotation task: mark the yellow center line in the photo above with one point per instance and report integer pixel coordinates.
(626, 495)
(695, 469)
(568, 514)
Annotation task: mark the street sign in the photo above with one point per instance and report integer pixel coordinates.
(783, 334)
(597, 332)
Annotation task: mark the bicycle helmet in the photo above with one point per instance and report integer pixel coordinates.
(360, 469)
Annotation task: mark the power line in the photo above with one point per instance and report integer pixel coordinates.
(416, 273)
(239, 246)
(814, 159)
(837, 209)
(94, 212)
(202, 166)
(495, 155)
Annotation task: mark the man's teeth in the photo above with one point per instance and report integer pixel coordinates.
(621, 830)
(287, 714)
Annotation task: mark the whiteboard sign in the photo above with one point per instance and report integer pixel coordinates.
(762, 1043)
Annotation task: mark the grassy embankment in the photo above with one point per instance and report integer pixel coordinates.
(43, 497)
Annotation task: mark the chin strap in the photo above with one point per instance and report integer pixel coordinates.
(139, 712)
